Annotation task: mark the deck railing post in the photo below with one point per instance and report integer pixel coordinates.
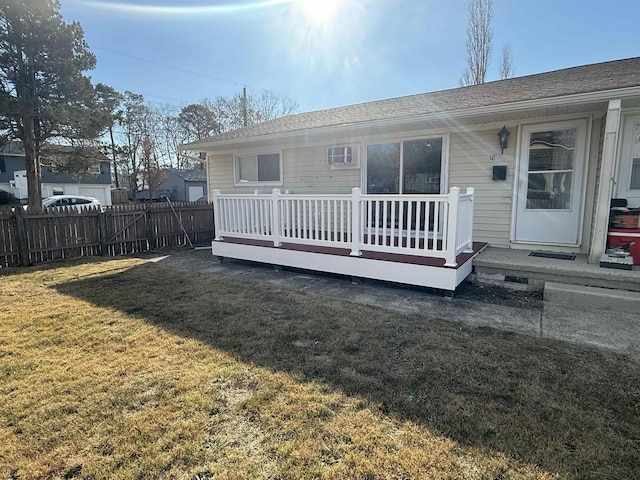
(356, 221)
(469, 247)
(452, 227)
(217, 211)
(275, 218)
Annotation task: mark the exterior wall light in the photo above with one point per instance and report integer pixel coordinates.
(503, 138)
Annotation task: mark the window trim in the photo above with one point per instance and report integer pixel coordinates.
(444, 161)
(236, 170)
(355, 156)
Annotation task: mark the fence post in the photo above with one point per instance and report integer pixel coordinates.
(469, 248)
(356, 222)
(23, 241)
(216, 214)
(452, 227)
(275, 217)
(151, 238)
(102, 231)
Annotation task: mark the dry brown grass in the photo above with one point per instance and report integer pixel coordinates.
(121, 369)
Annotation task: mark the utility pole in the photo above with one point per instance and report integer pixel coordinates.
(113, 154)
(244, 105)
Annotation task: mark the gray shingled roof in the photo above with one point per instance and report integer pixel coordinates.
(585, 79)
(189, 174)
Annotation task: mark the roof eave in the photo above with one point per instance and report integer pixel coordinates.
(565, 100)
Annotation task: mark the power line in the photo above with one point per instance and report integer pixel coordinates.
(217, 79)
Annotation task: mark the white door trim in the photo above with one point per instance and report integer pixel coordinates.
(620, 189)
(518, 181)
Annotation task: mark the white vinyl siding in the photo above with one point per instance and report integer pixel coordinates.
(305, 170)
(470, 165)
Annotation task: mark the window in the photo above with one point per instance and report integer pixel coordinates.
(343, 156)
(258, 169)
(3, 168)
(551, 166)
(635, 174)
(407, 167)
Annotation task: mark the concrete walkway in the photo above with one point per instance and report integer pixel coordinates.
(605, 329)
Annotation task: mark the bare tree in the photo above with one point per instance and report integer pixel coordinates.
(270, 105)
(479, 42)
(506, 62)
(265, 106)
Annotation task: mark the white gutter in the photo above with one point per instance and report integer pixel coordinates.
(190, 157)
(565, 100)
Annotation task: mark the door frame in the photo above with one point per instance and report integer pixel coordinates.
(518, 183)
(617, 190)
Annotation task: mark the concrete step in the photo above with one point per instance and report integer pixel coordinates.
(592, 298)
(494, 265)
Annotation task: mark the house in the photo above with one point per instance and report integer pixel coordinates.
(184, 184)
(68, 171)
(537, 160)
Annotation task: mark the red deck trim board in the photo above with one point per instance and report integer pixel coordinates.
(344, 252)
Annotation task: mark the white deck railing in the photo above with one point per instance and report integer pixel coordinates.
(425, 225)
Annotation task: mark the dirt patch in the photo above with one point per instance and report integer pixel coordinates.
(498, 295)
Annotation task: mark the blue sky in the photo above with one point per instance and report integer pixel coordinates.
(361, 50)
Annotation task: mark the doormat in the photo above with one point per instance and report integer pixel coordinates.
(556, 256)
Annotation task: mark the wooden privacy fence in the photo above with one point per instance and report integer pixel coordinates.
(60, 233)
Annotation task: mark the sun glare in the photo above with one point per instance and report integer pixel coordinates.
(319, 11)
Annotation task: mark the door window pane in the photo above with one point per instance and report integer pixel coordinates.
(551, 164)
(422, 165)
(383, 168)
(635, 174)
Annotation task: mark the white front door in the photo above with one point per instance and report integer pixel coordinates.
(551, 182)
(628, 185)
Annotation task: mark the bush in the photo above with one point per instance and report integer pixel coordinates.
(7, 198)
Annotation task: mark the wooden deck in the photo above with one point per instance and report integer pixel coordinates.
(421, 240)
(400, 268)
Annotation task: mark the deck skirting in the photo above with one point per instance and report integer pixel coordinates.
(391, 271)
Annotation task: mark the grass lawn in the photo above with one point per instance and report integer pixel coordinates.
(126, 369)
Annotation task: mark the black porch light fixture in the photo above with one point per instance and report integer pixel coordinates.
(503, 138)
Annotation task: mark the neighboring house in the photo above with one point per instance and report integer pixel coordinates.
(184, 184)
(94, 180)
(571, 143)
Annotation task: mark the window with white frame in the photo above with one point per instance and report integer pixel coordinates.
(342, 156)
(258, 169)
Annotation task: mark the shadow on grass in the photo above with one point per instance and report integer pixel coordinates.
(569, 409)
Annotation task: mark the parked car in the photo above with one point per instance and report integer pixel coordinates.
(76, 201)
